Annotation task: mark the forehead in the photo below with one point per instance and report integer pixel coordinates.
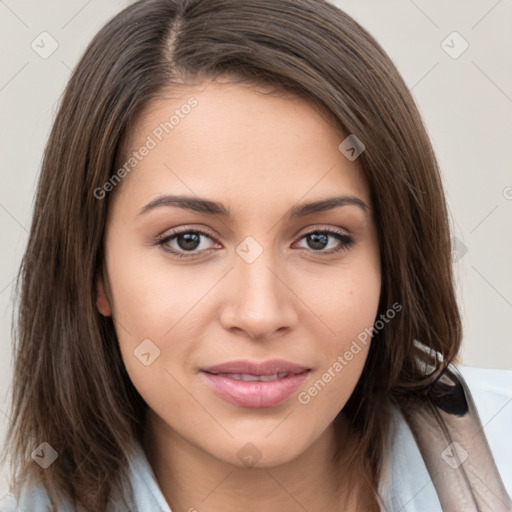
(250, 143)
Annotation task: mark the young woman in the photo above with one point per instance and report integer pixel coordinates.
(239, 246)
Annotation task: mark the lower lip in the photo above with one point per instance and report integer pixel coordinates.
(255, 393)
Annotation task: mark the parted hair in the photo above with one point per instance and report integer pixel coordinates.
(70, 387)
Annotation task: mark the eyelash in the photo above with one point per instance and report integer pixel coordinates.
(346, 241)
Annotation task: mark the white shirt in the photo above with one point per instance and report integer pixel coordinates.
(406, 485)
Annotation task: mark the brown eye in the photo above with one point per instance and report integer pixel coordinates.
(319, 240)
(183, 242)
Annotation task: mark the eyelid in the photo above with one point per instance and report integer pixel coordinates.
(319, 228)
(184, 229)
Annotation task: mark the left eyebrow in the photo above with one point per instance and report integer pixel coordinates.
(323, 205)
(209, 207)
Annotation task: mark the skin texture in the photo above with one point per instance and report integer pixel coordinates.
(259, 154)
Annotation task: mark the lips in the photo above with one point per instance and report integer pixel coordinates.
(255, 384)
(256, 368)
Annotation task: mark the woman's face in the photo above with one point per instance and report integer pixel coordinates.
(250, 280)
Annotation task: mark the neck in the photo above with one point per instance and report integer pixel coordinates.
(193, 480)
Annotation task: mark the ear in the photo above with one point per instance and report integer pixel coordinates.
(102, 300)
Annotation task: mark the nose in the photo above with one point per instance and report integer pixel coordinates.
(259, 300)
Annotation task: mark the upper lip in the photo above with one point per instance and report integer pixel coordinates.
(256, 368)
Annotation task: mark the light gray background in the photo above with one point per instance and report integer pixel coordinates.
(466, 103)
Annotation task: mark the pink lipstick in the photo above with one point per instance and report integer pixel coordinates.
(255, 384)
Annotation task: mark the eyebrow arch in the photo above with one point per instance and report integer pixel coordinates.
(206, 206)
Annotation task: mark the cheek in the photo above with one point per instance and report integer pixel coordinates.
(349, 311)
(154, 309)
(149, 296)
(349, 306)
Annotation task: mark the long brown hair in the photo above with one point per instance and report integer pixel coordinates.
(70, 386)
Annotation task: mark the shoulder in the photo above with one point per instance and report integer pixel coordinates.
(29, 498)
(406, 484)
(143, 495)
(491, 390)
